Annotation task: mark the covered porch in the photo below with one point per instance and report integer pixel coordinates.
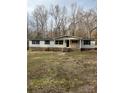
(69, 41)
(72, 43)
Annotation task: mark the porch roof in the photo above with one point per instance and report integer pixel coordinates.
(63, 38)
(68, 38)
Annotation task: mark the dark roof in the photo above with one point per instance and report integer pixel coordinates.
(74, 37)
(42, 39)
(67, 37)
(62, 37)
(88, 39)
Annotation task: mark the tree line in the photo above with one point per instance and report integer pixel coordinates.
(59, 21)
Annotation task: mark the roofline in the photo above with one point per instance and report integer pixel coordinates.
(40, 39)
(79, 38)
(67, 37)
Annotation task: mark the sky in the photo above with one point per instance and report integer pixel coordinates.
(85, 4)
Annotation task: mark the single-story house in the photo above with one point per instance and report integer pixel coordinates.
(72, 42)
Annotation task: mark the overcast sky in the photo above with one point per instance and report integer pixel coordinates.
(86, 4)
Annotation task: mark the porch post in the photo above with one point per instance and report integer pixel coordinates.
(80, 43)
(64, 43)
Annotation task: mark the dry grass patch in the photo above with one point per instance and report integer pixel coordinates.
(62, 72)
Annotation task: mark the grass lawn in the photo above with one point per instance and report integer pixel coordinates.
(62, 72)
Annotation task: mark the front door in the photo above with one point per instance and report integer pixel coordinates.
(67, 43)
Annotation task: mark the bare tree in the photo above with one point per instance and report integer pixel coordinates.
(90, 21)
(86, 22)
(27, 26)
(78, 22)
(59, 16)
(73, 17)
(30, 27)
(64, 21)
(35, 15)
(51, 28)
(40, 16)
(55, 13)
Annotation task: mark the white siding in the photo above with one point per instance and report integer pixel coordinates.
(33, 45)
(42, 44)
(60, 46)
(52, 44)
(92, 45)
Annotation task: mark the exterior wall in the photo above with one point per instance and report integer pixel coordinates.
(71, 45)
(42, 44)
(33, 45)
(60, 46)
(92, 45)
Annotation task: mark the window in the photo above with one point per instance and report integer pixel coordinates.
(56, 42)
(60, 42)
(47, 42)
(86, 42)
(35, 41)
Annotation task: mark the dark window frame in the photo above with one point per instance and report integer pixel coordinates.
(47, 42)
(35, 41)
(87, 42)
(59, 42)
(56, 42)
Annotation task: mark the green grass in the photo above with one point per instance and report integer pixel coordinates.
(61, 72)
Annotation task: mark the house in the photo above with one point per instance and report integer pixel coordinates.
(72, 42)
